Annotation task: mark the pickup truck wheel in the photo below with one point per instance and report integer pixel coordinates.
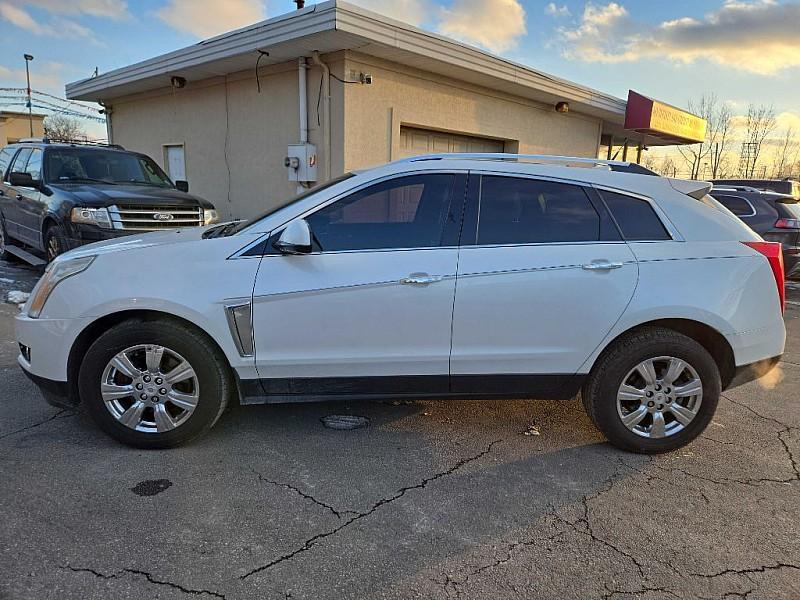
(653, 391)
(154, 384)
(55, 242)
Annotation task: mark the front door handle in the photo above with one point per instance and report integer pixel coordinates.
(602, 265)
(421, 279)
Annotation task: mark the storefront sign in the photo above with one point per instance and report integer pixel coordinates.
(656, 119)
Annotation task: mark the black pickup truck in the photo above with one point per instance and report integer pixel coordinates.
(57, 196)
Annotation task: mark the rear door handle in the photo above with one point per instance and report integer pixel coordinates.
(421, 279)
(602, 265)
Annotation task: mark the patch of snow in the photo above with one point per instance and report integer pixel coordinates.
(6, 280)
(17, 297)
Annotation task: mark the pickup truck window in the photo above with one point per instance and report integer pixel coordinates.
(109, 166)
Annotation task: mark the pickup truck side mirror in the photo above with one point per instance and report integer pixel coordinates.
(18, 179)
(181, 185)
(295, 239)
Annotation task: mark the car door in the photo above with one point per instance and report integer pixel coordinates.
(6, 155)
(11, 209)
(543, 276)
(30, 205)
(369, 310)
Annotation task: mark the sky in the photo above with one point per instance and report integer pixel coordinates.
(744, 51)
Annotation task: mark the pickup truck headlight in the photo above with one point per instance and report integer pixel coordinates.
(56, 272)
(92, 216)
(210, 216)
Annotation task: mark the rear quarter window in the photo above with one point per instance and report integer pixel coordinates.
(738, 205)
(636, 218)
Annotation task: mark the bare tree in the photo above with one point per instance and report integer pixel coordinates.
(63, 127)
(786, 156)
(760, 123)
(711, 151)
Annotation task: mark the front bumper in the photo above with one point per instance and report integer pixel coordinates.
(79, 234)
(55, 393)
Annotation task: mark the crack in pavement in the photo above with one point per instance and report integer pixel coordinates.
(636, 593)
(311, 542)
(150, 578)
(47, 420)
(747, 571)
(302, 494)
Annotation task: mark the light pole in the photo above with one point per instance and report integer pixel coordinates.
(28, 59)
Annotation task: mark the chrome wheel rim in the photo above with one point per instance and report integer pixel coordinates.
(659, 397)
(150, 388)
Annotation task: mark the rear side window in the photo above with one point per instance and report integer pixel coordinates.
(636, 218)
(529, 211)
(736, 204)
(6, 154)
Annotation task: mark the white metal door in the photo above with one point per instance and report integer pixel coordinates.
(176, 162)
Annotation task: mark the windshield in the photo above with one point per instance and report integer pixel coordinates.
(106, 166)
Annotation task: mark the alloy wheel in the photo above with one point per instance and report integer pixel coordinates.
(53, 249)
(659, 397)
(150, 388)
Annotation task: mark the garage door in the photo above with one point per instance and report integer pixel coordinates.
(423, 141)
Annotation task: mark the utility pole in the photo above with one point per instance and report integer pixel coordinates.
(28, 59)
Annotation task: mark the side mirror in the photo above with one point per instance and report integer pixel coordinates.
(18, 179)
(181, 185)
(295, 239)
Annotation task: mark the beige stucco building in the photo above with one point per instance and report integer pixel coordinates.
(15, 126)
(223, 113)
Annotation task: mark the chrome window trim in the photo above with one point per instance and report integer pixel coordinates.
(753, 210)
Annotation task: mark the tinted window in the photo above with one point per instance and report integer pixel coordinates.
(736, 204)
(77, 164)
(22, 158)
(529, 211)
(636, 218)
(5, 157)
(34, 166)
(408, 212)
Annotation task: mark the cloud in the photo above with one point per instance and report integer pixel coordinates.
(557, 11)
(110, 9)
(409, 11)
(493, 24)
(759, 36)
(207, 18)
(46, 76)
(58, 27)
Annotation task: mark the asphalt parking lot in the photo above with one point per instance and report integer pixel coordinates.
(431, 500)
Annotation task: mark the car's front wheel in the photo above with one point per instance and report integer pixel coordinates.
(154, 384)
(653, 391)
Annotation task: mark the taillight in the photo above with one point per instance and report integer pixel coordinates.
(774, 253)
(787, 224)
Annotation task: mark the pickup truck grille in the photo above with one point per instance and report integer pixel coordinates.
(153, 218)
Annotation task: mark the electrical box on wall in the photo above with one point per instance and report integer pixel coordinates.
(301, 162)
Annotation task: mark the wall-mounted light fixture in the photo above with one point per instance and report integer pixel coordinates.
(178, 82)
(562, 107)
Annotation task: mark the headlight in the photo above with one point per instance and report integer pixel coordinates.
(92, 216)
(210, 216)
(56, 272)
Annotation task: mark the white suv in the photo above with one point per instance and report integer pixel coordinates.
(468, 276)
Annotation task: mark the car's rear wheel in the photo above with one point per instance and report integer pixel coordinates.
(653, 391)
(154, 384)
(55, 242)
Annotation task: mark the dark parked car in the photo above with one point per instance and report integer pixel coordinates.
(788, 186)
(57, 196)
(776, 217)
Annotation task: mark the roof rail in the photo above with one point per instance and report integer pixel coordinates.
(81, 143)
(33, 140)
(566, 161)
(737, 188)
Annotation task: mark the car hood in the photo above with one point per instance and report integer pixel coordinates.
(103, 194)
(134, 242)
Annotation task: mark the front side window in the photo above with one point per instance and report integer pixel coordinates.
(34, 165)
(66, 165)
(736, 204)
(21, 160)
(407, 212)
(636, 218)
(529, 211)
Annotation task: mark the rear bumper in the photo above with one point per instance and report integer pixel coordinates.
(753, 371)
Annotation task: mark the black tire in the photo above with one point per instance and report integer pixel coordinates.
(3, 241)
(55, 242)
(599, 394)
(210, 366)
